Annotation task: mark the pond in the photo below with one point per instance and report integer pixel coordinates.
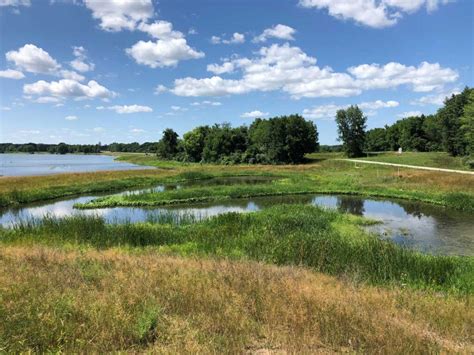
(421, 226)
(46, 164)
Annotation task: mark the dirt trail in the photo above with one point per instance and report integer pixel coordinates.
(411, 166)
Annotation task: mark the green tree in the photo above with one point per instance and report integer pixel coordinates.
(450, 115)
(284, 139)
(351, 124)
(168, 144)
(194, 142)
(224, 141)
(63, 148)
(432, 132)
(412, 136)
(467, 123)
(376, 140)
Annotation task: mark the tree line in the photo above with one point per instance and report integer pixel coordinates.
(451, 129)
(284, 139)
(63, 148)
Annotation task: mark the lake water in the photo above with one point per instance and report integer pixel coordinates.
(46, 164)
(421, 226)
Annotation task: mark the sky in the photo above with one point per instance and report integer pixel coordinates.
(88, 71)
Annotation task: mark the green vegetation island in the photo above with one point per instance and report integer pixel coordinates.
(289, 278)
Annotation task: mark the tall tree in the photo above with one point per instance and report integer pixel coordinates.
(412, 136)
(450, 115)
(194, 142)
(168, 145)
(284, 139)
(351, 124)
(467, 123)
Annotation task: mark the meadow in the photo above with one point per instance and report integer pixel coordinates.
(290, 278)
(429, 159)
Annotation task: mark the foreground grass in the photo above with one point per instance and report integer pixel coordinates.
(429, 159)
(324, 240)
(100, 301)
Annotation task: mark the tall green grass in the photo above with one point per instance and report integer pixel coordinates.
(324, 240)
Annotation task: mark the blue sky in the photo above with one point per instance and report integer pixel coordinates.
(124, 70)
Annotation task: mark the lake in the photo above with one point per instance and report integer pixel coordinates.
(46, 164)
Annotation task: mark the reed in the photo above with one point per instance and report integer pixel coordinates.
(324, 240)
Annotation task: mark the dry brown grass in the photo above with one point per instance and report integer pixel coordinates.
(103, 301)
(437, 180)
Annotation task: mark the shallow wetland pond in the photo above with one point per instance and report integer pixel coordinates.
(421, 226)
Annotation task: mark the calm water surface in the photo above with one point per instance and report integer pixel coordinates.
(46, 164)
(420, 226)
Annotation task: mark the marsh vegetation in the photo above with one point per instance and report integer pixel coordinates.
(290, 277)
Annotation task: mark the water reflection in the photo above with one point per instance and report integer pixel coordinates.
(421, 226)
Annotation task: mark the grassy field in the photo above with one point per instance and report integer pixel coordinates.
(431, 159)
(289, 278)
(325, 240)
(113, 300)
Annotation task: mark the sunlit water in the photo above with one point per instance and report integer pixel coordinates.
(420, 226)
(46, 164)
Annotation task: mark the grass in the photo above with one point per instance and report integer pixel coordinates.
(102, 301)
(430, 159)
(329, 180)
(290, 278)
(324, 240)
(24, 189)
(324, 174)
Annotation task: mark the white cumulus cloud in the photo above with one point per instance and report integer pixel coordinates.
(123, 109)
(162, 53)
(409, 114)
(69, 74)
(254, 114)
(374, 105)
(329, 111)
(226, 67)
(33, 59)
(11, 74)
(287, 68)
(425, 77)
(279, 31)
(372, 13)
(160, 89)
(80, 63)
(160, 30)
(206, 103)
(435, 99)
(71, 118)
(67, 88)
(116, 15)
(236, 38)
(15, 3)
(46, 100)
(322, 111)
